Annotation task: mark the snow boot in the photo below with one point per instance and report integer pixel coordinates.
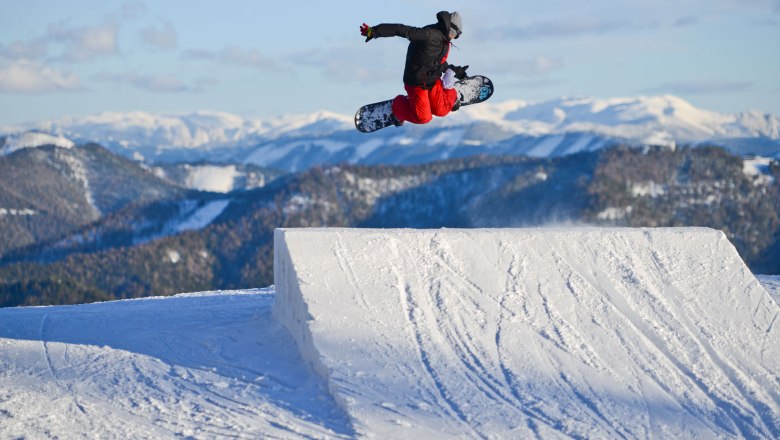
(456, 106)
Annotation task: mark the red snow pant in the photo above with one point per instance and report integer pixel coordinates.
(420, 105)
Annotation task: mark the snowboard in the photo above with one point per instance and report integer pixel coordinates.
(376, 116)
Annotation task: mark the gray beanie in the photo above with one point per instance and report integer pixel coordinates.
(456, 23)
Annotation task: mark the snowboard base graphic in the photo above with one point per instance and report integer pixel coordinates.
(376, 116)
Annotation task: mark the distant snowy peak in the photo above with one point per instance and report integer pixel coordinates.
(202, 129)
(321, 122)
(32, 139)
(635, 119)
(759, 124)
(293, 142)
(136, 129)
(603, 111)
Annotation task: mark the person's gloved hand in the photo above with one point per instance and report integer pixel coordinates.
(448, 79)
(366, 31)
(460, 71)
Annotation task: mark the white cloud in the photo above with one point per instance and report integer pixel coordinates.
(199, 54)
(26, 76)
(154, 83)
(33, 49)
(686, 21)
(132, 9)
(233, 55)
(703, 87)
(204, 83)
(246, 57)
(63, 42)
(353, 63)
(538, 66)
(162, 37)
(562, 28)
(85, 43)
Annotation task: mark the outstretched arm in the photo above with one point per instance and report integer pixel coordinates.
(394, 30)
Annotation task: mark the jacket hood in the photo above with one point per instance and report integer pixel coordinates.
(444, 21)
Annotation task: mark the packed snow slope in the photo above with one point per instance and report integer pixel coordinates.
(505, 333)
(536, 333)
(211, 365)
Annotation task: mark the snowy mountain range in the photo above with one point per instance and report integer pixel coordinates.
(154, 236)
(292, 143)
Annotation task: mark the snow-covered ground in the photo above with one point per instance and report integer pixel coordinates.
(772, 285)
(537, 333)
(29, 139)
(213, 178)
(584, 333)
(210, 365)
(758, 168)
(201, 217)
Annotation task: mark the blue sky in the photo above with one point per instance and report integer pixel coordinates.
(261, 59)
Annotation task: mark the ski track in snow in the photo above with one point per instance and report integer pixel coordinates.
(195, 366)
(583, 334)
(448, 333)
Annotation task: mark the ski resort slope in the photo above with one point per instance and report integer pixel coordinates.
(200, 366)
(536, 333)
(568, 333)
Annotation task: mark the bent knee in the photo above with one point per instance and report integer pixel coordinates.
(421, 116)
(424, 118)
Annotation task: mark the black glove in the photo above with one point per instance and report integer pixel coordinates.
(460, 71)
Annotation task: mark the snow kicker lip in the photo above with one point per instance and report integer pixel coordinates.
(496, 333)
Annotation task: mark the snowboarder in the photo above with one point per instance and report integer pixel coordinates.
(428, 79)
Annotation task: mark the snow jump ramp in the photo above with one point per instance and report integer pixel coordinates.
(534, 333)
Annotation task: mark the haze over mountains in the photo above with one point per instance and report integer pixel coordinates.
(292, 143)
